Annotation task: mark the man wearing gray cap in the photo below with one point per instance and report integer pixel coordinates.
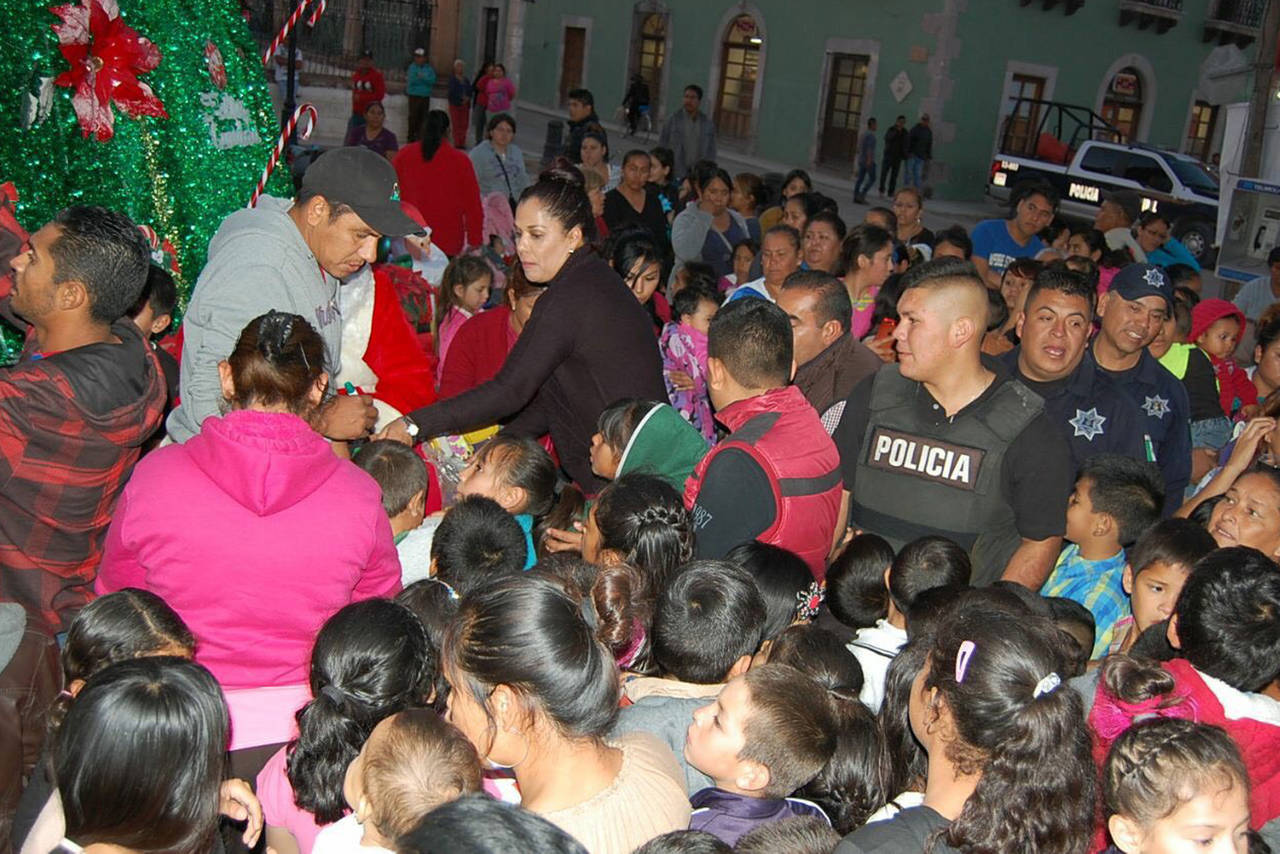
(289, 256)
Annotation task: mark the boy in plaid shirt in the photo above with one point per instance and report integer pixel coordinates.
(1115, 500)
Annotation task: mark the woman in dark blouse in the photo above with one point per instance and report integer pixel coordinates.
(634, 201)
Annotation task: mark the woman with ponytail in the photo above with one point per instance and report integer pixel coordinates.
(254, 532)
(440, 180)
(371, 660)
(1009, 762)
(588, 341)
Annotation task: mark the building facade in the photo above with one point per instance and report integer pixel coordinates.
(794, 81)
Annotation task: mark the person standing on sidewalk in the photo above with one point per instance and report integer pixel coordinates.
(480, 101)
(420, 79)
(367, 86)
(895, 151)
(866, 164)
(919, 153)
(459, 104)
(690, 134)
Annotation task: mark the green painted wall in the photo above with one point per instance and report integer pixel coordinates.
(962, 85)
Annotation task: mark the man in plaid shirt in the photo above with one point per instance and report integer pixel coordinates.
(76, 408)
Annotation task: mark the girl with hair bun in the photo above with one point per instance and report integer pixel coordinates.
(587, 342)
(254, 532)
(641, 520)
(535, 691)
(1009, 753)
(371, 660)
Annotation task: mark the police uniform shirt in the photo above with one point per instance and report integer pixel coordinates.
(1093, 414)
(1035, 476)
(1165, 410)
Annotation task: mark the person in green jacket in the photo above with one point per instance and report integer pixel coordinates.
(649, 437)
(420, 79)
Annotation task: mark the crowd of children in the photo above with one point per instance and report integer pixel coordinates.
(685, 646)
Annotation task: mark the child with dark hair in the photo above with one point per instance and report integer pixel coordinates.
(1165, 775)
(708, 623)
(153, 315)
(435, 604)
(684, 356)
(520, 475)
(685, 842)
(1226, 627)
(784, 582)
(903, 763)
(402, 476)
(464, 289)
(924, 563)
(797, 835)
(758, 745)
(1115, 500)
(475, 824)
(736, 493)
(856, 595)
(410, 764)
(477, 543)
(1002, 733)
(1155, 570)
(1077, 625)
(850, 787)
(645, 436)
(371, 660)
(639, 520)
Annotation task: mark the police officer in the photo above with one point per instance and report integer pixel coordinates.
(944, 442)
(1140, 298)
(1093, 414)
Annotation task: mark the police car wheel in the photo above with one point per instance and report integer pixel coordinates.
(1197, 238)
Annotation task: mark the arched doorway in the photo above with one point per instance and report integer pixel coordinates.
(1123, 102)
(739, 73)
(651, 53)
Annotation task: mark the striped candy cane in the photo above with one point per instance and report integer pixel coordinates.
(285, 133)
(289, 24)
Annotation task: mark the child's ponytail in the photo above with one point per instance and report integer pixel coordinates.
(371, 660)
(1020, 728)
(850, 787)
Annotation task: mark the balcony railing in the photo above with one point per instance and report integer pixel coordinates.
(1234, 21)
(1163, 15)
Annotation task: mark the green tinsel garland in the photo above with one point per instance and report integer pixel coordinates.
(181, 175)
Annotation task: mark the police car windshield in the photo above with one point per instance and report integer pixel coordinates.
(1192, 174)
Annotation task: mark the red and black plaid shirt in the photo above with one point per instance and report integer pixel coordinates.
(72, 425)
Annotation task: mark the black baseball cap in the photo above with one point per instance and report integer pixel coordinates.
(1135, 281)
(364, 181)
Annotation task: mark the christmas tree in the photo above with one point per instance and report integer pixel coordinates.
(159, 109)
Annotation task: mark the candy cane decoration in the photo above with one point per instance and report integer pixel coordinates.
(285, 133)
(289, 25)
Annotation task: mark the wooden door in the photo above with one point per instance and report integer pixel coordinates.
(575, 44)
(842, 116)
(1024, 117)
(739, 68)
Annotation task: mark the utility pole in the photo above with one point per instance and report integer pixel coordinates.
(1263, 78)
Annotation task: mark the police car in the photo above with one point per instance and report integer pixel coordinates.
(1072, 149)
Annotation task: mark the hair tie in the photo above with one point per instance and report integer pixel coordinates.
(810, 600)
(963, 654)
(333, 692)
(629, 655)
(453, 594)
(1046, 685)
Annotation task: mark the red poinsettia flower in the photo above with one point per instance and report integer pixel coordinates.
(106, 57)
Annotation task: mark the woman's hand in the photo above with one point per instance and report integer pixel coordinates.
(680, 381)
(560, 540)
(345, 417)
(396, 432)
(1247, 444)
(238, 802)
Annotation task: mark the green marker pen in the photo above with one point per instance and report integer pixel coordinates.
(350, 389)
(1150, 448)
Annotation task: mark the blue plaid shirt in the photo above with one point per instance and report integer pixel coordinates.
(1095, 584)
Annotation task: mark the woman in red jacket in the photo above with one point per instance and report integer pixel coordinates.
(441, 182)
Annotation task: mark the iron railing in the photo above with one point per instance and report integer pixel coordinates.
(1245, 13)
(389, 28)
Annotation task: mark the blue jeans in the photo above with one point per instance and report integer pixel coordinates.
(867, 172)
(914, 167)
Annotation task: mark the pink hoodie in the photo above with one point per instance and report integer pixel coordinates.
(255, 533)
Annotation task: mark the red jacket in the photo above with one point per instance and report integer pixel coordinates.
(478, 351)
(366, 87)
(444, 189)
(782, 433)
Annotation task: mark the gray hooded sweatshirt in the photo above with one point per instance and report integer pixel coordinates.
(258, 261)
